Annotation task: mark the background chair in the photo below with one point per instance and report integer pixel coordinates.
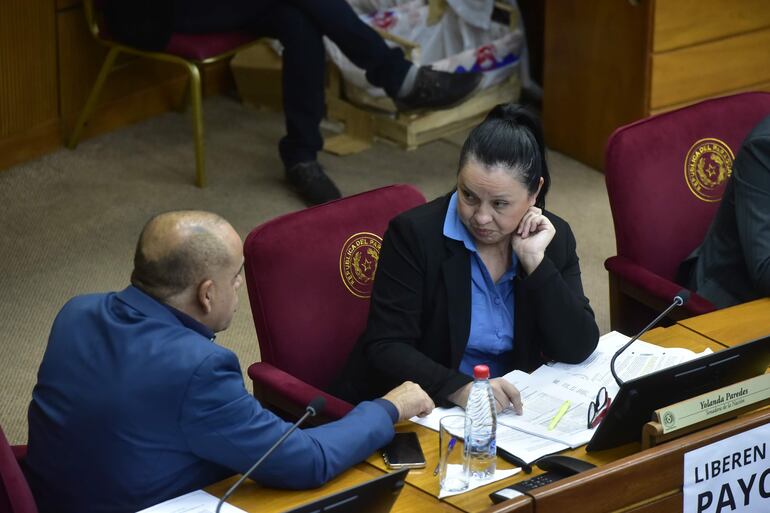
(309, 276)
(665, 176)
(15, 495)
(188, 50)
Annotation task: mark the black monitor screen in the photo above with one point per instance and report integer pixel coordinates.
(375, 496)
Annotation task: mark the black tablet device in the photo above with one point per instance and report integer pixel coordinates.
(375, 496)
(638, 398)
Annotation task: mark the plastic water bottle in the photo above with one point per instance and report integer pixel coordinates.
(481, 444)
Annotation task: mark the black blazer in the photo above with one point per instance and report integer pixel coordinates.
(420, 313)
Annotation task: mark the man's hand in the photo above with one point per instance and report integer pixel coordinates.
(506, 395)
(410, 400)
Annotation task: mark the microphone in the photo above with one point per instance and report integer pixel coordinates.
(681, 298)
(315, 406)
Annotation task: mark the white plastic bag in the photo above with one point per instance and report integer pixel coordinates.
(452, 44)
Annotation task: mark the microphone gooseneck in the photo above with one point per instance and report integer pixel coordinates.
(312, 409)
(681, 298)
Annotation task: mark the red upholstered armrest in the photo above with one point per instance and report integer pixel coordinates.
(19, 451)
(272, 378)
(655, 284)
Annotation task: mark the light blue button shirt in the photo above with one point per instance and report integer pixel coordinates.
(491, 334)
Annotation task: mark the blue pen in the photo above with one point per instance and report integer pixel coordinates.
(450, 446)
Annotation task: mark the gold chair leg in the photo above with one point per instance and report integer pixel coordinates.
(184, 102)
(88, 108)
(197, 118)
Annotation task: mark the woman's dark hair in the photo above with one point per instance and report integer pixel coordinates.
(510, 137)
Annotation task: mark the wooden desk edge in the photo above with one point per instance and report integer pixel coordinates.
(593, 484)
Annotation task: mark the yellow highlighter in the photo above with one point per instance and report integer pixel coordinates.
(559, 414)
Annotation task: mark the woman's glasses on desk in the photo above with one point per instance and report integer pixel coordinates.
(597, 409)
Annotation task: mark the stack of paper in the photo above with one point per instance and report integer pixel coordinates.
(547, 389)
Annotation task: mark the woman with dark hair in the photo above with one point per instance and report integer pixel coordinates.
(482, 275)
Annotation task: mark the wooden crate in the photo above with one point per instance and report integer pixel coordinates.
(365, 121)
(366, 117)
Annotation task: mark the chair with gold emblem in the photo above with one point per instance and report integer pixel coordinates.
(15, 495)
(187, 50)
(665, 178)
(309, 275)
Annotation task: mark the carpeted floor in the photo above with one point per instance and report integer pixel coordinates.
(69, 221)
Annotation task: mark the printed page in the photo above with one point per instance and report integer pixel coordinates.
(547, 388)
(524, 445)
(542, 401)
(193, 502)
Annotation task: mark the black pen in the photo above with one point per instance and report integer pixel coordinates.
(514, 460)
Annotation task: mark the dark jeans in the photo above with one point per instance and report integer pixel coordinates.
(300, 25)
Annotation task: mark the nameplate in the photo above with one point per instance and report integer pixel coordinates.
(713, 404)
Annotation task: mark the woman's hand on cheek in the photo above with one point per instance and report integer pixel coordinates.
(531, 237)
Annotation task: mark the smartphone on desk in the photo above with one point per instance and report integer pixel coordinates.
(404, 451)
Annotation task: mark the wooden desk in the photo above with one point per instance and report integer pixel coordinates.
(732, 326)
(648, 479)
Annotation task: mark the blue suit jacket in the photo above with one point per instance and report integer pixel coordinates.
(132, 407)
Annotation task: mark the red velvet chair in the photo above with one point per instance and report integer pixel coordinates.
(665, 178)
(15, 495)
(309, 276)
(187, 50)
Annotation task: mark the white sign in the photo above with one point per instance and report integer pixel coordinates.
(732, 475)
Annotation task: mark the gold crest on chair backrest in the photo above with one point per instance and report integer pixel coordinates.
(358, 263)
(707, 166)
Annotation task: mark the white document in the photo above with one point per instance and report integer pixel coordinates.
(524, 445)
(639, 359)
(542, 399)
(545, 390)
(729, 475)
(193, 502)
(475, 483)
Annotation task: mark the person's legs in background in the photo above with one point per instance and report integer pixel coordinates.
(409, 86)
(303, 78)
(304, 62)
(300, 26)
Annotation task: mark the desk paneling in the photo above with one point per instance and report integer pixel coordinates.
(610, 62)
(734, 325)
(595, 73)
(709, 69)
(681, 23)
(252, 497)
(28, 95)
(647, 479)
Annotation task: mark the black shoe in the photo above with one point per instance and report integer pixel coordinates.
(438, 89)
(310, 181)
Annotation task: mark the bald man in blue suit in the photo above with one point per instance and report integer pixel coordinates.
(135, 403)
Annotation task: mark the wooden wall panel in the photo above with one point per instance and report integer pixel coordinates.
(681, 23)
(595, 73)
(27, 65)
(764, 86)
(709, 69)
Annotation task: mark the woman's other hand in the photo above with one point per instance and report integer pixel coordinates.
(506, 395)
(531, 237)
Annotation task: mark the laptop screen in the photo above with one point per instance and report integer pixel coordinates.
(375, 496)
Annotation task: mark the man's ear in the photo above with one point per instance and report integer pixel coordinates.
(205, 295)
